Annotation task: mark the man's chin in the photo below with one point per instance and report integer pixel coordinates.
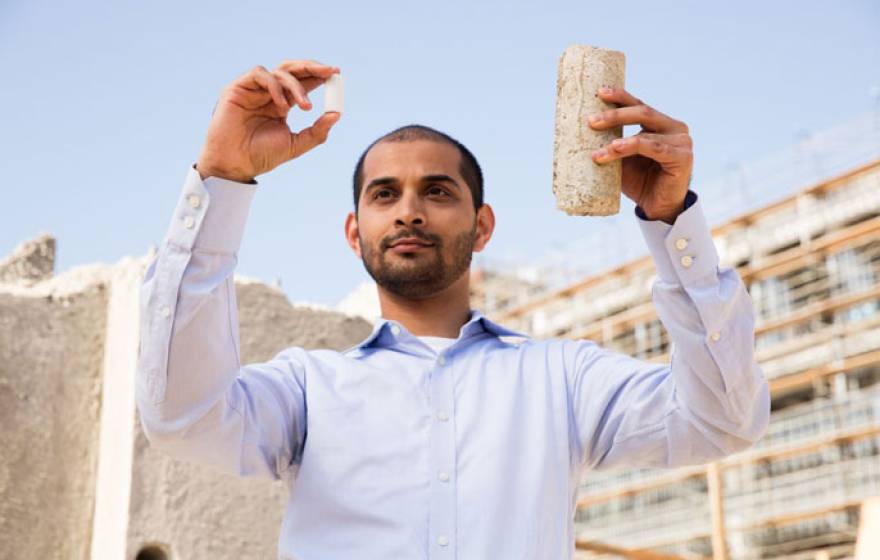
(412, 290)
(414, 281)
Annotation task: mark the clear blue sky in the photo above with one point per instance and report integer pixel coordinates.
(103, 106)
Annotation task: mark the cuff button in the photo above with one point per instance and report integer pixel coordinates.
(715, 336)
(681, 244)
(195, 201)
(687, 260)
(189, 222)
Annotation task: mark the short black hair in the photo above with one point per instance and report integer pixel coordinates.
(469, 168)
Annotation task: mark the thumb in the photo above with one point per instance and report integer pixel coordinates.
(307, 138)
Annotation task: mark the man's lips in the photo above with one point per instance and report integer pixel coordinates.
(408, 244)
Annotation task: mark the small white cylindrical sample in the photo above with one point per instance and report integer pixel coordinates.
(583, 187)
(333, 94)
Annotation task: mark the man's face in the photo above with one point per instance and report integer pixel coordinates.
(416, 227)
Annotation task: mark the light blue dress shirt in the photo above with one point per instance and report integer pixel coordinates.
(392, 450)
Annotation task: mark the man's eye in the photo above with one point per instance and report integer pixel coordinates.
(381, 193)
(437, 190)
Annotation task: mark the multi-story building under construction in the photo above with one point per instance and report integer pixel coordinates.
(811, 263)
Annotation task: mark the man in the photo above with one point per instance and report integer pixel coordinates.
(434, 438)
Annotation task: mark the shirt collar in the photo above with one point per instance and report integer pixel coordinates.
(381, 334)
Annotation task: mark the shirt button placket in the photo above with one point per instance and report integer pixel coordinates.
(442, 453)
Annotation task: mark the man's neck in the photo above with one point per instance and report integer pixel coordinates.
(442, 314)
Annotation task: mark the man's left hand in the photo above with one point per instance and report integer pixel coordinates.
(657, 162)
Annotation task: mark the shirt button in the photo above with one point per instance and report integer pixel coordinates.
(189, 222)
(395, 330)
(715, 335)
(443, 477)
(441, 360)
(194, 200)
(687, 260)
(166, 311)
(443, 540)
(681, 244)
(442, 416)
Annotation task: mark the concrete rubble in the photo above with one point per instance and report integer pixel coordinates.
(30, 262)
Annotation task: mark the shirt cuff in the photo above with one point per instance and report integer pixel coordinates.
(683, 251)
(211, 214)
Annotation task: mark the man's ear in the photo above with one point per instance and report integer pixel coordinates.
(485, 227)
(351, 234)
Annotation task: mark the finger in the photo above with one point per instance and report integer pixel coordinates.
(269, 82)
(666, 153)
(307, 138)
(295, 88)
(682, 139)
(619, 96)
(306, 68)
(649, 118)
(311, 83)
(246, 92)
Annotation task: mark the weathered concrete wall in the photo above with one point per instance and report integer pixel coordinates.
(269, 324)
(52, 373)
(51, 349)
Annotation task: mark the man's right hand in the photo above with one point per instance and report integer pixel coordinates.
(248, 134)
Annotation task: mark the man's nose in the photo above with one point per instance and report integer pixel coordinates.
(410, 211)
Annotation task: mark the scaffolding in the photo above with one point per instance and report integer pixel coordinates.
(818, 460)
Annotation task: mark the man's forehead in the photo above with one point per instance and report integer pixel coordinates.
(423, 157)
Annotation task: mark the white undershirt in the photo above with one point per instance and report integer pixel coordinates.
(438, 343)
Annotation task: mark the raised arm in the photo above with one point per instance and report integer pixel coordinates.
(712, 399)
(195, 399)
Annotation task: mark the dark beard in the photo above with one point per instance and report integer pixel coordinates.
(432, 275)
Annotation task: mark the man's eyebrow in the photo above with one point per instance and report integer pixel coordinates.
(380, 182)
(440, 179)
(392, 181)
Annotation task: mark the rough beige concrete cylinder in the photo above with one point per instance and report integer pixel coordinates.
(583, 187)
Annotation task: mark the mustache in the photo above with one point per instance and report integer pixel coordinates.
(430, 238)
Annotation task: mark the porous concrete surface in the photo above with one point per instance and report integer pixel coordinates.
(201, 513)
(30, 262)
(583, 187)
(261, 305)
(51, 352)
(52, 345)
(196, 512)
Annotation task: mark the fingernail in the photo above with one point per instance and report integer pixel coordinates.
(617, 143)
(596, 118)
(607, 89)
(600, 153)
